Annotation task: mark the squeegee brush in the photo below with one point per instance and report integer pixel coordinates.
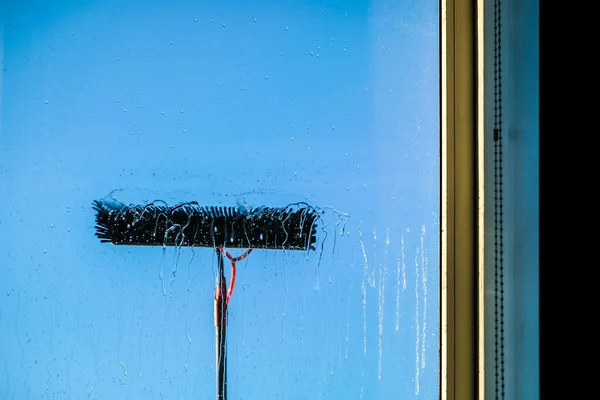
(292, 227)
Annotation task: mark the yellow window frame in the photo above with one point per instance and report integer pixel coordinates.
(462, 356)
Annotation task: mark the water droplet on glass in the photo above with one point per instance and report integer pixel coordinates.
(182, 111)
(308, 147)
(256, 151)
(223, 24)
(364, 186)
(357, 166)
(254, 19)
(171, 146)
(287, 29)
(46, 101)
(162, 112)
(242, 88)
(348, 188)
(345, 154)
(195, 19)
(45, 251)
(68, 230)
(51, 225)
(266, 76)
(292, 138)
(184, 131)
(333, 127)
(124, 110)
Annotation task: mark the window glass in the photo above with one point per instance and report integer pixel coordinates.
(330, 104)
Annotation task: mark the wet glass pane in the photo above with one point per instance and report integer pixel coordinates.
(309, 109)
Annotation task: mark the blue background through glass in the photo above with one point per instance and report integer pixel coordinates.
(332, 103)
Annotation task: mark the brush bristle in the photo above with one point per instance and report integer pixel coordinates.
(188, 224)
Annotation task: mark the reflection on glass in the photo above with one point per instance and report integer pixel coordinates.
(246, 106)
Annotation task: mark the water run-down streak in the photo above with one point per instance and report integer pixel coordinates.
(403, 265)
(381, 301)
(424, 289)
(364, 291)
(400, 272)
(161, 271)
(372, 279)
(417, 328)
(347, 339)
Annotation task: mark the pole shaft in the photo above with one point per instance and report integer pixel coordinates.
(221, 328)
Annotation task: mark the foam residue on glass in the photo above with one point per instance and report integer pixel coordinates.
(417, 325)
(364, 290)
(424, 293)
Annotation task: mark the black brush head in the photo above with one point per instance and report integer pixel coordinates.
(188, 224)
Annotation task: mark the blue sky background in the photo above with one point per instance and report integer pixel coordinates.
(333, 103)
